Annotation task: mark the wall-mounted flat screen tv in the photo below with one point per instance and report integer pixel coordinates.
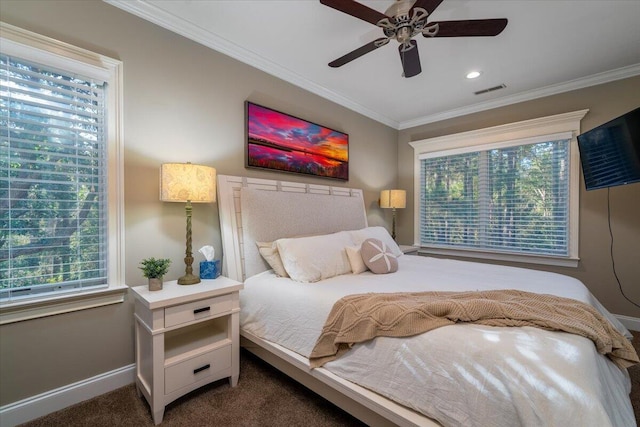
(610, 153)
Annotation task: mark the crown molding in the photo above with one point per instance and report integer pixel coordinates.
(154, 14)
(593, 80)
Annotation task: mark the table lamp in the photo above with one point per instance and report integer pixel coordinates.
(393, 199)
(186, 182)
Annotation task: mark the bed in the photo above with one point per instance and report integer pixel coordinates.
(457, 375)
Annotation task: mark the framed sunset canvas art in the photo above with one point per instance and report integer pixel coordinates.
(281, 142)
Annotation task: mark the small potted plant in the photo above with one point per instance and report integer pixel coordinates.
(154, 269)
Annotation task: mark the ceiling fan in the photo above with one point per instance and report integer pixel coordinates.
(405, 19)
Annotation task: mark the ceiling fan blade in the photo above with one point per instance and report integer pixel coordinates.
(428, 5)
(356, 10)
(410, 59)
(358, 52)
(469, 28)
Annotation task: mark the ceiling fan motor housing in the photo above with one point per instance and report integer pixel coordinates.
(400, 26)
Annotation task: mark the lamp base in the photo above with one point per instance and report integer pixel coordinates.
(393, 229)
(188, 279)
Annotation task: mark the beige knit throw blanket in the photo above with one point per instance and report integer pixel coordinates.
(361, 317)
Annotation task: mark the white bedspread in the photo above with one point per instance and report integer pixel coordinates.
(461, 375)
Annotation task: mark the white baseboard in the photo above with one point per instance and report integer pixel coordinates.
(631, 323)
(36, 406)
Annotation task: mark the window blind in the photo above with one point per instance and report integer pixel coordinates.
(53, 183)
(512, 199)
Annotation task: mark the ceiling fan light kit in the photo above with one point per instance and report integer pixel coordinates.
(404, 20)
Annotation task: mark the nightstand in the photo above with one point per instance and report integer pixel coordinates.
(409, 250)
(186, 336)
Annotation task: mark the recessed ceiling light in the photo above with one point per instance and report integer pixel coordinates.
(473, 74)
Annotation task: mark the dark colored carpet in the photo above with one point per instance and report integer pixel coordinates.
(263, 397)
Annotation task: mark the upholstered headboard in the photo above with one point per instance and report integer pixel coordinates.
(263, 210)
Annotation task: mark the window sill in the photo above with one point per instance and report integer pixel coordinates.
(526, 259)
(35, 308)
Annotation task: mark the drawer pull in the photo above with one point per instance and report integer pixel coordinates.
(200, 310)
(202, 368)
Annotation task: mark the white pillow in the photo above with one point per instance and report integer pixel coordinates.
(380, 233)
(269, 252)
(355, 259)
(313, 258)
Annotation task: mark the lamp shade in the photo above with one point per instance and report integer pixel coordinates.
(182, 182)
(396, 199)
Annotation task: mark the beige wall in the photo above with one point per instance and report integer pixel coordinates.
(604, 102)
(182, 102)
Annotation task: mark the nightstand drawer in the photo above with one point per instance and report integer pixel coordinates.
(198, 368)
(197, 310)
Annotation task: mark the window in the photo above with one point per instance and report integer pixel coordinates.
(503, 193)
(59, 161)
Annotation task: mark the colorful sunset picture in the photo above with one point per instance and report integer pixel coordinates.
(285, 143)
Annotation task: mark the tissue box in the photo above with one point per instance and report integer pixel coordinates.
(209, 269)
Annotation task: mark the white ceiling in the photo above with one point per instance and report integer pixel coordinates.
(547, 47)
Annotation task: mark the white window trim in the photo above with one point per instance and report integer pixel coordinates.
(502, 135)
(30, 46)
